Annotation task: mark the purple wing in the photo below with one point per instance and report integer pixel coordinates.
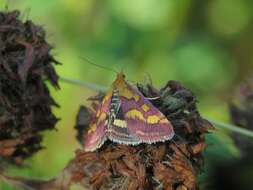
(96, 134)
(143, 119)
(95, 139)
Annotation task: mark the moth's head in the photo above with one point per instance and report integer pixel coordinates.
(121, 75)
(120, 80)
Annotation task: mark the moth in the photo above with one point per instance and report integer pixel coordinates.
(125, 116)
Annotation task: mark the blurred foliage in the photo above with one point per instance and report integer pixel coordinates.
(207, 45)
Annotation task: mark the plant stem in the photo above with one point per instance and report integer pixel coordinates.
(231, 127)
(88, 85)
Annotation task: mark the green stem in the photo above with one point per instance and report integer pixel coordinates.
(231, 127)
(88, 85)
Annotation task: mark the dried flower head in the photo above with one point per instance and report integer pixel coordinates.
(241, 112)
(166, 165)
(25, 102)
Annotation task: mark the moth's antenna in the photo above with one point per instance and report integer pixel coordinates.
(123, 68)
(97, 65)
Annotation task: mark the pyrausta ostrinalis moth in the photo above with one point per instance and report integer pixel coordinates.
(125, 116)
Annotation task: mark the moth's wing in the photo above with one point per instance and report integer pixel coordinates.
(96, 134)
(143, 119)
(95, 137)
(119, 133)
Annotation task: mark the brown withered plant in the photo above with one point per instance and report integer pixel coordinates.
(25, 102)
(170, 165)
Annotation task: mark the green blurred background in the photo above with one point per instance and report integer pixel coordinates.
(207, 45)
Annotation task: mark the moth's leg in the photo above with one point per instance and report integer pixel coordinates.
(111, 118)
(153, 98)
(118, 107)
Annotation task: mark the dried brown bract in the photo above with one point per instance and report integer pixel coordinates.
(241, 111)
(25, 102)
(170, 165)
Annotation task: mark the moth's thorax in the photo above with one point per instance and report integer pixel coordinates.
(120, 81)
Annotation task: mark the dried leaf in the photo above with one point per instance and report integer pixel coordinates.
(25, 102)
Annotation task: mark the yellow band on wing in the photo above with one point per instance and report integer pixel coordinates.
(130, 94)
(120, 123)
(101, 117)
(152, 119)
(92, 128)
(145, 107)
(135, 114)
